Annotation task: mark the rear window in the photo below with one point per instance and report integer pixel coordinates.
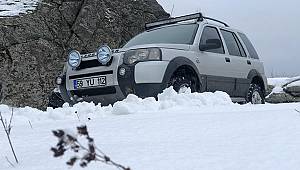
(179, 34)
(250, 47)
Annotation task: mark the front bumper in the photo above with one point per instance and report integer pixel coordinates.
(119, 86)
(110, 94)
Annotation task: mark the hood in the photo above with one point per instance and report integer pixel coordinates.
(163, 46)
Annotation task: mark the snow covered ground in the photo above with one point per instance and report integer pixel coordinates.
(16, 7)
(180, 131)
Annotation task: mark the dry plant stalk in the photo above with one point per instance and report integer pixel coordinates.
(91, 153)
(7, 128)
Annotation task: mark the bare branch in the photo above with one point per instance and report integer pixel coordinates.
(30, 124)
(297, 110)
(9, 127)
(11, 164)
(8, 137)
(68, 142)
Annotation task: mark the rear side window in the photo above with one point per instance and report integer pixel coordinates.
(241, 48)
(250, 48)
(231, 43)
(211, 33)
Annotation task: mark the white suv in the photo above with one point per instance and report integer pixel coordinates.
(189, 51)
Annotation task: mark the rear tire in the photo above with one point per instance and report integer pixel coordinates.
(255, 95)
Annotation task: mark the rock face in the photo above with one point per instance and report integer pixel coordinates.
(33, 47)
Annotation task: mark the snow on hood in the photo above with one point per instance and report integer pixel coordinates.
(16, 7)
(169, 99)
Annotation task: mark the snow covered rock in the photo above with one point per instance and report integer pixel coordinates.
(293, 87)
(284, 90)
(17, 7)
(34, 46)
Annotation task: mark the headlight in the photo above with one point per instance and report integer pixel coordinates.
(74, 59)
(104, 54)
(150, 54)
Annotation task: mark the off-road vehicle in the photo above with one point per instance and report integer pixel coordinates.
(192, 51)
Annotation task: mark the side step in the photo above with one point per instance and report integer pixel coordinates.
(238, 99)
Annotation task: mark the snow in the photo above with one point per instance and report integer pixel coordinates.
(278, 81)
(179, 131)
(278, 84)
(16, 7)
(296, 83)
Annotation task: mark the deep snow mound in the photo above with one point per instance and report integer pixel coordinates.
(17, 7)
(169, 99)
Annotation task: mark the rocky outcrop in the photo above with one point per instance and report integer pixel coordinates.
(33, 47)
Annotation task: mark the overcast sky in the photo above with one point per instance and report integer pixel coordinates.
(272, 25)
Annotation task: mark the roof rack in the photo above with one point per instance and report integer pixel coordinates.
(175, 20)
(208, 18)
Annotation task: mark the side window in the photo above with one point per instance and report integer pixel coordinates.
(232, 43)
(211, 33)
(242, 50)
(249, 46)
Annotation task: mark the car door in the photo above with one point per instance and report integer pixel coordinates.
(239, 62)
(213, 63)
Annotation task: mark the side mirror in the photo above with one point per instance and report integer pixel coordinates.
(211, 44)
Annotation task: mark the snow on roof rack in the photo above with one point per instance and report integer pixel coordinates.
(175, 20)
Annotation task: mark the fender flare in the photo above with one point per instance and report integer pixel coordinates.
(174, 64)
(254, 73)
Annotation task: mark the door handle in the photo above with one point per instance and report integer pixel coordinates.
(248, 62)
(227, 59)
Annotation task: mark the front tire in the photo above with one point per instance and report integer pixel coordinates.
(182, 79)
(255, 95)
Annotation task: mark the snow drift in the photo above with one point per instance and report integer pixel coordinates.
(168, 100)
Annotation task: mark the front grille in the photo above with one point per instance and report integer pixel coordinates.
(92, 63)
(94, 91)
(91, 74)
(89, 64)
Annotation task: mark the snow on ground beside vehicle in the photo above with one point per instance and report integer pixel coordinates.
(16, 7)
(180, 131)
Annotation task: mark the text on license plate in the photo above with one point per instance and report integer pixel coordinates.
(89, 82)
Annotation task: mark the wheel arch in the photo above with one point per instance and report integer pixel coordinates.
(180, 63)
(256, 78)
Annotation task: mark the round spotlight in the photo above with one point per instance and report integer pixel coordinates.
(74, 59)
(104, 54)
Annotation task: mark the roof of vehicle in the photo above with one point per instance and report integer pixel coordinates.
(188, 19)
(175, 20)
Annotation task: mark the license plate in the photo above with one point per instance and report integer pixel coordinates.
(89, 82)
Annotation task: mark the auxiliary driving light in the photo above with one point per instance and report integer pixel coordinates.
(104, 54)
(74, 59)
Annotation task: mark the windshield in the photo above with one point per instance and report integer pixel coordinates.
(178, 34)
